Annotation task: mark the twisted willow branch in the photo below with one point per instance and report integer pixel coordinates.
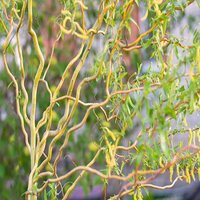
(41, 139)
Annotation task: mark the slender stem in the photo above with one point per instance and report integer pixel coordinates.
(34, 93)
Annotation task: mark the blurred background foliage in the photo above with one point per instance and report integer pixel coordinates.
(14, 159)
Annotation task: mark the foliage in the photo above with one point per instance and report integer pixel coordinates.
(84, 118)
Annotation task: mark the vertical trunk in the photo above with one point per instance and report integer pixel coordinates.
(31, 196)
(133, 36)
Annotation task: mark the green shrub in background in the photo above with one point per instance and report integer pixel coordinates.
(79, 110)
